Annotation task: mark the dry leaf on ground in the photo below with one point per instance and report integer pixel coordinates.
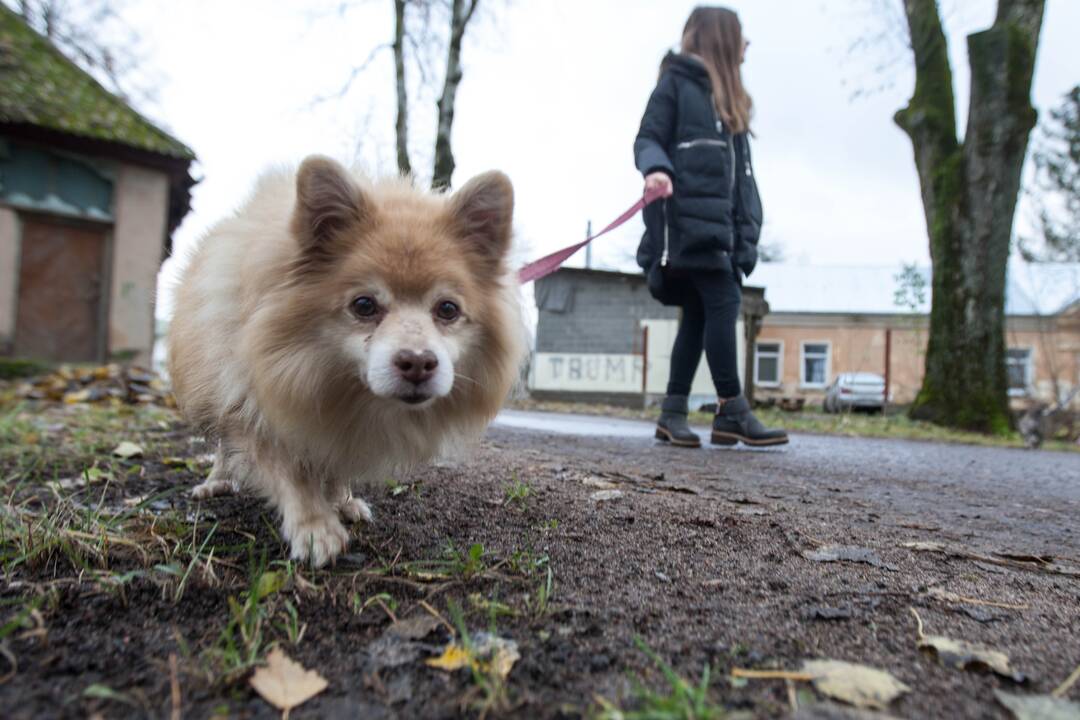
(485, 653)
(1038, 707)
(858, 685)
(285, 683)
(964, 655)
(127, 450)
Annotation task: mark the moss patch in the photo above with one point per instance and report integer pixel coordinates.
(39, 86)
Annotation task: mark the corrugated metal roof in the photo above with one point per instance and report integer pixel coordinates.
(1031, 289)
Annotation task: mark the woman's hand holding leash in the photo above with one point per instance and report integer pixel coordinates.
(658, 183)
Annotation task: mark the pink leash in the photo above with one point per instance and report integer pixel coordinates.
(550, 263)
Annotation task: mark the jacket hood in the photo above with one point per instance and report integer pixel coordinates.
(686, 65)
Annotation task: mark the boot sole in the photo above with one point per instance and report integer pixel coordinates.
(662, 434)
(723, 438)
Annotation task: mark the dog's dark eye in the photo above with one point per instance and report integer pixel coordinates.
(365, 307)
(447, 311)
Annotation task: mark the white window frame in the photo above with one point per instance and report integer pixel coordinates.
(758, 382)
(802, 364)
(1029, 371)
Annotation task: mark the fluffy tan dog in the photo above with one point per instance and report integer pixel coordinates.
(334, 331)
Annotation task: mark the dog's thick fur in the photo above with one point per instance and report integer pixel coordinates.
(272, 351)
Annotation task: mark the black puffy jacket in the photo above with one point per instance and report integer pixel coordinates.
(714, 217)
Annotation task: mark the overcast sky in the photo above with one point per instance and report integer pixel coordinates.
(553, 92)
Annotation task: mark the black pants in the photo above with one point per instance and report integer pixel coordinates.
(709, 314)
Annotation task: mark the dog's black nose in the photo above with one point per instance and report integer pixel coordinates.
(416, 367)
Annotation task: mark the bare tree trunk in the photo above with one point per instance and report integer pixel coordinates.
(401, 127)
(969, 193)
(444, 156)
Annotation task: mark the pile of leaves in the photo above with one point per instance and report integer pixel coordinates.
(112, 384)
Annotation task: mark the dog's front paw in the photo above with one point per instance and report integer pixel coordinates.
(318, 540)
(354, 510)
(213, 487)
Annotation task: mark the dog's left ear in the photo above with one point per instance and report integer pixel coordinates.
(482, 214)
(328, 203)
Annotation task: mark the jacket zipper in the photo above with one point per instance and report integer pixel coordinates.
(664, 256)
(730, 146)
(700, 141)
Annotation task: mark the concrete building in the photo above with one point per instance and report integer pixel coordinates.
(600, 337)
(90, 192)
(829, 320)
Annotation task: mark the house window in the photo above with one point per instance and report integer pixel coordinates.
(1019, 370)
(814, 372)
(768, 364)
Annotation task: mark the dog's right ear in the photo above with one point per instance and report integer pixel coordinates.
(328, 202)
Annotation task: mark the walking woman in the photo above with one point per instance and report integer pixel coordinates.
(693, 149)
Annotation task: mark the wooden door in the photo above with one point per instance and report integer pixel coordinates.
(61, 289)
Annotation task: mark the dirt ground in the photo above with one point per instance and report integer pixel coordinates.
(598, 558)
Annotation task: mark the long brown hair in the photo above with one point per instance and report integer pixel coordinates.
(714, 34)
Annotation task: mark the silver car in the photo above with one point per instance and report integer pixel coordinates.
(849, 391)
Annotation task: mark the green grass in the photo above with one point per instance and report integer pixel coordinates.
(681, 700)
(517, 493)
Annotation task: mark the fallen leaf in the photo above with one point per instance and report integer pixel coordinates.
(964, 655)
(284, 683)
(595, 482)
(1038, 707)
(846, 553)
(269, 583)
(127, 450)
(454, 657)
(414, 628)
(486, 653)
(859, 685)
(604, 495)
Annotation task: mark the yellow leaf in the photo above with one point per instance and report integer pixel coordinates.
(285, 683)
(859, 685)
(487, 653)
(454, 657)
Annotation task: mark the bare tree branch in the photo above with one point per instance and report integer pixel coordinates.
(355, 73)
(401, 125)
(444, 156)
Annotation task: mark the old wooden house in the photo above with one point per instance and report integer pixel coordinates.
(90, 192)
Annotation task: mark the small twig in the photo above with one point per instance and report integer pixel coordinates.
(386, 609)
(953, 597)
(438, 616)
(918, 619)
(772, 675)
(174, 684)
(1064, 687)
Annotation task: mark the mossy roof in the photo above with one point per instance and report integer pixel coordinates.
(41, 87)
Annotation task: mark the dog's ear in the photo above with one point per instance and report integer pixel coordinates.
(327, 203)
(482, 214)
